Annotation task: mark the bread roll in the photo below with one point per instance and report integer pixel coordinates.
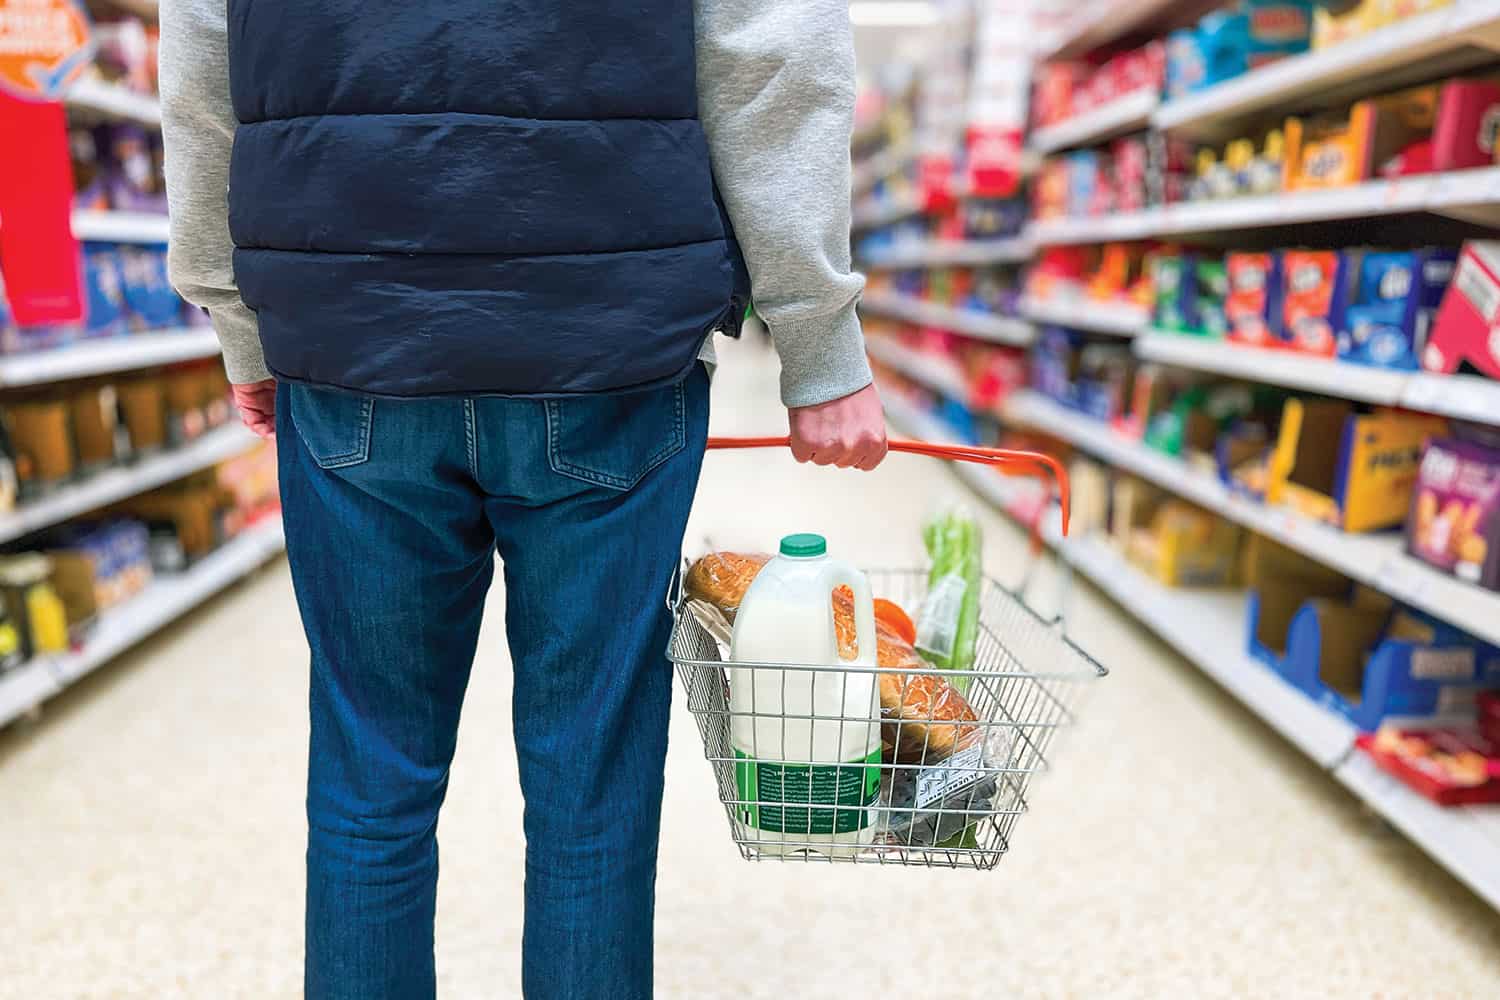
(721, 578)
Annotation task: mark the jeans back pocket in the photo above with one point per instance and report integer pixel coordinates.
(615, 440)
(333, 426)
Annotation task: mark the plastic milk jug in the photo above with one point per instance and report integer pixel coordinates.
(806, 739)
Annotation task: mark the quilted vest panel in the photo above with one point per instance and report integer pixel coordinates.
(475, 196)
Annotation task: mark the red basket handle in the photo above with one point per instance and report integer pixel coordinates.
(1006, 460)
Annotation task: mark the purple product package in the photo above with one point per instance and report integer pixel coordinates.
(1454, 520)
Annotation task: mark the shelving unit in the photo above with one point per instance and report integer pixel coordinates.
(1357, 64)
(937, 374)
(166, 599)
(110, 354)
(120, 227)
(1203, 626)
(1286, 368)
(970, 323)
(1124, 114)
(872, 216)
(1083, 314)
(1466, 397)
(114, 101)
(118, 483)
(1473, 195)
(952, 253)
(1376, 560)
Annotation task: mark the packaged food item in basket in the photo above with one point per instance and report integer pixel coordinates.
(721, 578)
(938, 806)
(923, 717)
(948, 626)
(806, 738)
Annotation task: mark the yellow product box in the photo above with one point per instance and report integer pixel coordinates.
(1090, 496)
(1352, 470)
(1186, 546)
(1328, 151)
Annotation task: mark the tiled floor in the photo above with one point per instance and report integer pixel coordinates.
(151, 831)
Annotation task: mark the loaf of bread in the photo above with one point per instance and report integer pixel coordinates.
(721, 578)
(926, 718)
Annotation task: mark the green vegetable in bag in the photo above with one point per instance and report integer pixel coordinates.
(948, 626)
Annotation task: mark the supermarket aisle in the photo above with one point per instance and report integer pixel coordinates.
(150, 825)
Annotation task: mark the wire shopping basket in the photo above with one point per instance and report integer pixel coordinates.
(958, 747)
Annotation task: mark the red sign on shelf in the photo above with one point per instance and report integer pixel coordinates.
(38, 254)
(44, 45)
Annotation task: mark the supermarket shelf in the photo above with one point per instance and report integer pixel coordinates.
(881, 165)
(952, 253)
(1207, 626)
(1465, 194)
(1376, 560)
(1464, 840)
(1124, 114)
(1084, 314)
(114, 101)
(1103, 21)
(111, 354)
(116, 484)
(1096, 229)
(165, 600)
(1466, 397)
(970, 323)
(1224, 108)
(1287, 368)
(24, 688)
(938, 374)
(120, 227)
(885, 213)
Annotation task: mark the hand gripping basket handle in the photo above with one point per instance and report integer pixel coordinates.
(1005, 460)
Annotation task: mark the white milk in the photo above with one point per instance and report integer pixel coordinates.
(787, 617)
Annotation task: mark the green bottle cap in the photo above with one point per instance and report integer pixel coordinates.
(804, 546)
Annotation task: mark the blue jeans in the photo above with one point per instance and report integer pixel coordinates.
(394, 510)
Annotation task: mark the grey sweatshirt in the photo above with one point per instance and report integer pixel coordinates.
(776, 97)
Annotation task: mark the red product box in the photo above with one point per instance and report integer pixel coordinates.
(1250, 293)
(1312, 302)
(1488, 703)
(1452, 767)
(1466, 331)
(1468, 119)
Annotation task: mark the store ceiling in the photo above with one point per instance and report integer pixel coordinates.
(886, 31)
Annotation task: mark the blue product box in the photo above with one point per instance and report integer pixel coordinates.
(1186, 63)
(104, 290)
(1397, 298)
(152, 301)
(1054, 361)
(1350, 657)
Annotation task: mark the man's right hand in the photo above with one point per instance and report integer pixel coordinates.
(257, 403)
(848, 432)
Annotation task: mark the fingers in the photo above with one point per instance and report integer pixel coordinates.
(263, 424)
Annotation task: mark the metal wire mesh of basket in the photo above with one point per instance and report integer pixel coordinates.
(950, 779)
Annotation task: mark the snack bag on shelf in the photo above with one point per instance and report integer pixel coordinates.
(948, 624)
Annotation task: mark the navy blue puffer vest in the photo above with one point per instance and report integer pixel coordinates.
(475, 196)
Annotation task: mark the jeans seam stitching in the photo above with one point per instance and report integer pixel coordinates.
(361, 450)
(471, 433)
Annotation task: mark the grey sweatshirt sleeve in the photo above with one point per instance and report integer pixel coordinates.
(776, 96)
(198, 132)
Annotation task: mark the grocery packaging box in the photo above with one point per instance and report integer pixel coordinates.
(1453, 522)
(1465, 334)
(1365, 484)
(1317, 288)
(1336, 150)
(1253, 306)
(1186, 546)
(1396, 297)
(1280, 581)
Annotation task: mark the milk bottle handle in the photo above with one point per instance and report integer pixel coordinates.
(837, 574)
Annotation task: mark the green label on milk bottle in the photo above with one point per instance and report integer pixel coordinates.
(805, 798)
